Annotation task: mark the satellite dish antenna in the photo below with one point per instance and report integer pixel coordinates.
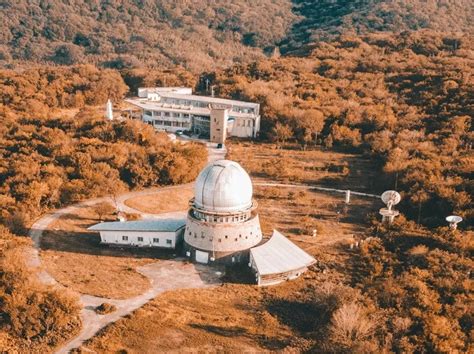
(389, 198)
(453, 221)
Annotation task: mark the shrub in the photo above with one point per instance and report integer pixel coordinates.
(105, 308)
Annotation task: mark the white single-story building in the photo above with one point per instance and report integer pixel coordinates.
(164, 233)
(278, 260)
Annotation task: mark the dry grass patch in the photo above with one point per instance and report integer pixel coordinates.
(75, 258)
(163, 201)
(296, 212)
(316, 166)
(230, 318)
(103, 276)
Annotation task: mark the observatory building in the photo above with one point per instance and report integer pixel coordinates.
(222, 223)
(223, 226)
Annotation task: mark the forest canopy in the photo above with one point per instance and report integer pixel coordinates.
(406, 100)
(203, 35)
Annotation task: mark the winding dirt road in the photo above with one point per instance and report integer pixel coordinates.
(163, 275)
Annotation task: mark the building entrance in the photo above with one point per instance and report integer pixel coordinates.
(202, 257)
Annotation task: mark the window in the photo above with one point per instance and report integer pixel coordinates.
(169, 242)
(167, 114)
(124, 238)
(156, 240)
(226, 236)
(140, 239)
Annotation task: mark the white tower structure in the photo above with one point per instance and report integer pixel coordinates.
(453, 221)
(218, 123)
(109, 114)
(222, 223)
(390, 198)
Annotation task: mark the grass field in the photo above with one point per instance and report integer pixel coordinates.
(163, 201)
(74, 257)
(317, 166)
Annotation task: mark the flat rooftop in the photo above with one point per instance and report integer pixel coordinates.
(163, 225)
(208, 99)
(160, 106)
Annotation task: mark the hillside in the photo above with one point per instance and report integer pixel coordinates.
(202, 35)
(325, 19)
(196, 34)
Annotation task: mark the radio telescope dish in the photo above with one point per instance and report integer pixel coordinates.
(391, 198)
(453, 218)
(453, 221)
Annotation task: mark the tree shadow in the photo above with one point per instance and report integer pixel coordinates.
(362, 175)
(322, 18)
(270, 343)
(302, 316)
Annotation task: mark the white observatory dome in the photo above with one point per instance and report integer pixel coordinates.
(223, 186)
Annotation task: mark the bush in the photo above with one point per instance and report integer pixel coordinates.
(68, 54)
(105, 308)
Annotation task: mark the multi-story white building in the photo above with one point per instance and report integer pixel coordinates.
(176, 108)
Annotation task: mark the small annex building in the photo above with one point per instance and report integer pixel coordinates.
(278, 260)
(163, 233)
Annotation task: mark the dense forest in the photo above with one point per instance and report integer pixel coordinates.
(56, 150)
(326, 19)
(202, 35)
(408, 101)
(195, 34)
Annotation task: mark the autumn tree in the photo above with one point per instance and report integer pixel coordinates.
(281, 133)
(102, 209)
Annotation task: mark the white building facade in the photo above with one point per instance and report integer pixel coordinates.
(165, 233)
(176, 108)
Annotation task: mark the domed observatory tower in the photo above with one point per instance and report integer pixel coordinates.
(222, 223)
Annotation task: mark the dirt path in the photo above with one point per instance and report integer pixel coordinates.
(163, 275)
